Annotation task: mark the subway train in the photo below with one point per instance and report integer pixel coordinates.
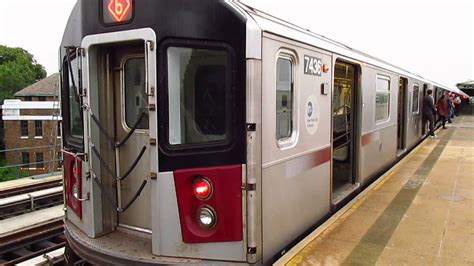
(211, 132)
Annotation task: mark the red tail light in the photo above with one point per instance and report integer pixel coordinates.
(210, 203)
(202, 188)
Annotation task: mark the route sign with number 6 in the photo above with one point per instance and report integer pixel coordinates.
(117, 11)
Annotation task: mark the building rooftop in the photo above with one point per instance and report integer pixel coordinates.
(48, 86)
(467, 87)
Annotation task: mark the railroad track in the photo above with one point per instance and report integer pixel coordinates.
(13, 191)
(32, 242)
(28, 202)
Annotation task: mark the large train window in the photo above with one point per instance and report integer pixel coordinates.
(135, 98)
(284, 97)
(415, 108)
(198, 91)
(73, 118)
(382, 99)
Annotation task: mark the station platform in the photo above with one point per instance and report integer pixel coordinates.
(28, 181)
(419, 213)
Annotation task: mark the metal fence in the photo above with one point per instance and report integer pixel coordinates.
(13, 165)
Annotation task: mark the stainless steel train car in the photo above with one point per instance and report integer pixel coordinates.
(208, 131)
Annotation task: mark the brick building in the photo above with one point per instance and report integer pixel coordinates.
(31, 124)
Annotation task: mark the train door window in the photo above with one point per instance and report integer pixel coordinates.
(382, 99)
(439, 93)
(284, 98)
(198, 90)
(135, 98)
(416, 102)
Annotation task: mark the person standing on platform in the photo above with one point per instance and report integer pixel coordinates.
(429, 111)
(450, 107)
(442, 108)
(457, 105)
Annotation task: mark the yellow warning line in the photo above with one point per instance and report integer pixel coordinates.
(306, 247)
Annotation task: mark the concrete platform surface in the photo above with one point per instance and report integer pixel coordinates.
(21, 222)
(420, 213)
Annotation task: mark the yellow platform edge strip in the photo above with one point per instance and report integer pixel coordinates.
(289, 257)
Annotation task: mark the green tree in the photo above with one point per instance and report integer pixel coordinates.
(18, 69)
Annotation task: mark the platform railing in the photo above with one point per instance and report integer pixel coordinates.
(27, 161)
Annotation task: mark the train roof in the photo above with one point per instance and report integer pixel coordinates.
(269, 23)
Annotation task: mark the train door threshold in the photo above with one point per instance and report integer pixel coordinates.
(342, 192)
(401, 152)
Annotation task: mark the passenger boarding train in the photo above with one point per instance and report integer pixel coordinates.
(208, 131)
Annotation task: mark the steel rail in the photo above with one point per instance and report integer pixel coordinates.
(32, 242)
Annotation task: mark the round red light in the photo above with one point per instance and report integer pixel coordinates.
(202, 188)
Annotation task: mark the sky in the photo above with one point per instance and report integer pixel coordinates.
(432, 38)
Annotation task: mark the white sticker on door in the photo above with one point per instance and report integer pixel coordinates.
(312, 115)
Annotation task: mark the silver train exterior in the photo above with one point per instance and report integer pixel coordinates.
(320, 121)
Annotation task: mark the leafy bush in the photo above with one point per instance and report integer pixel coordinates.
(10, 173)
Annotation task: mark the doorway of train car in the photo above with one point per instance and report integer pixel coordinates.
(402, 115)
(131, 121)
(124, 115)
(423, 125)
(344, 121)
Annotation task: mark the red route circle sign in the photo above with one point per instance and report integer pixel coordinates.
(119, 9)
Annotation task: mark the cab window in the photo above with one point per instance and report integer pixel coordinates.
(73, 107)
(198, 91)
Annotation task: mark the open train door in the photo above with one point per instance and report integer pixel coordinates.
(402, 115)
(345, 106)
(121, 126)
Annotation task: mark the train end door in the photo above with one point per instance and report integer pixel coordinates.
(119, 73)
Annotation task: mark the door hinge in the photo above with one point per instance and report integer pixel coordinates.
(81, 51)
(152, 107)
(84, 92)
(251, 127)
(251, 250)
(151, 92)
(249, 187)
(151, 45)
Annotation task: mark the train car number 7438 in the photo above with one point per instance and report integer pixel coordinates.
(312, 65)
